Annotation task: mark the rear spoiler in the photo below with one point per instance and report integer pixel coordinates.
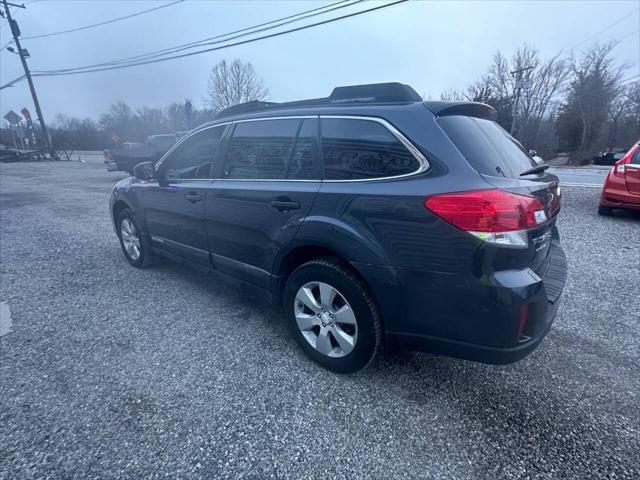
(467, 109)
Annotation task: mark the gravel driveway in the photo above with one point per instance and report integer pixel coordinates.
(113, 372)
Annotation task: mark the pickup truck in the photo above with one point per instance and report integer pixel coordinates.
(124, 159)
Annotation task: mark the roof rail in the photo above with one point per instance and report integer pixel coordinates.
(372, 93)
(375, 92)
(252, 106)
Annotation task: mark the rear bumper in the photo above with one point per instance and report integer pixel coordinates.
(475, 352)
(616, 195)
(111, 167)
(474, 317)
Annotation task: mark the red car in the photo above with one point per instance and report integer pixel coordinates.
(622, 186)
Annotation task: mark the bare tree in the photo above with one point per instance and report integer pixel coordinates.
(119, 119)
(594, 87)
(618, 110)
(539, 88)
(633, 98)
(234, 83)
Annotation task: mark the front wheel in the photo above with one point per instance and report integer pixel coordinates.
(604, 210)
(134, 245)
(332, 315)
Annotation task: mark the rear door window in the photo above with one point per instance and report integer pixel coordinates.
(260, 149)
(354, 149)
(487, 147)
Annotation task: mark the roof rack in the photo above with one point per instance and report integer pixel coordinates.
(372, 93)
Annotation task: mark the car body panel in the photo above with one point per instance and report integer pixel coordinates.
(437, 287)
(245, 232)
(623, 191)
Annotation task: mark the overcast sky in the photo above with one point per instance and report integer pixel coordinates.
(433, 46)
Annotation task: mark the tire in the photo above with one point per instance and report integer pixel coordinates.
(324, 336)
(604, 210)
(140, 257)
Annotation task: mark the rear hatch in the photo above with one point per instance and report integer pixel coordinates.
(501, 160)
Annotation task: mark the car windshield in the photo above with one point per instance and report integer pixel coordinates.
(487, 147)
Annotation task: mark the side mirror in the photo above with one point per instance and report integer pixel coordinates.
(144, 171)
(533, 153)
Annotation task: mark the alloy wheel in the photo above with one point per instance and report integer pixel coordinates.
(130, 239)
(325, 319)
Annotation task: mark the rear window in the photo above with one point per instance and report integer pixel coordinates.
(363, 149)
(487, 147)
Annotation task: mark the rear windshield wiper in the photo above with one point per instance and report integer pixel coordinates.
(536, 169)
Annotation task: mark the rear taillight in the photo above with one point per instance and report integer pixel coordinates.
(554, 206)
(494, 216)
(619, 169)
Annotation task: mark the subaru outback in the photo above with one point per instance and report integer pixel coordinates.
(374, 218)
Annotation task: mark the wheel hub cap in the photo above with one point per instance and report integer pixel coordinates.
(130, 239)
(325, 319)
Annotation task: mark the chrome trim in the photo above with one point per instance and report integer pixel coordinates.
(239, 264)
(166, 241)
(169, 180)
(422, 161)
(286, 117)
(179, 142)
(266, 180)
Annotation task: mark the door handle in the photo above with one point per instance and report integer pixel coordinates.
(284, 206)
(193, 197)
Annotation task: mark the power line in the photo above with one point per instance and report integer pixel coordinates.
(113, 20)
(243, 42)
(627, 34)
(15, 31)
(620, 20)
(12, 82)
(247, 32)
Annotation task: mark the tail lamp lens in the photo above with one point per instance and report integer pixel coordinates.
(522, 323)
(618, 168)
(494, 216)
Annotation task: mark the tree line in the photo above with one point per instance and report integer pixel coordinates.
(229, 84)
(579, 105)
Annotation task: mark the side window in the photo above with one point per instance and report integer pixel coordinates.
(194, 157)
(358, 149)
(260, 149)
(300, 166)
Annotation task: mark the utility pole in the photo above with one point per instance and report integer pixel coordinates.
(15, 31)
(518, 73)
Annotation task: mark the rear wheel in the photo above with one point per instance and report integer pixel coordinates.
(134, 245)
(332, 315)
(604, 210)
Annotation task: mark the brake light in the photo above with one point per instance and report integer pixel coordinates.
(494, 216)
(554, 208)
(619, 169)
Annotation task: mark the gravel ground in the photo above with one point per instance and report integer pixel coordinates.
(113, 372)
